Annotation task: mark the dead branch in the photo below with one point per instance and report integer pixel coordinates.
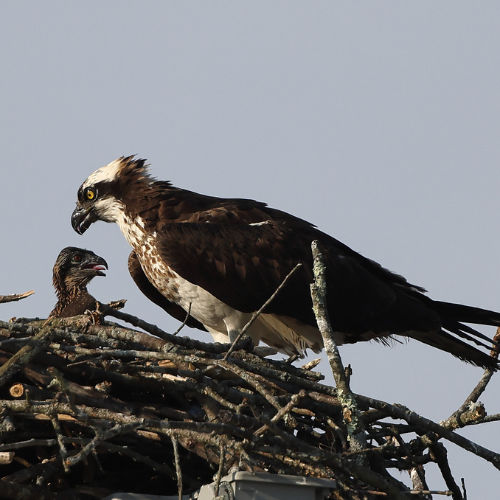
(257, 313)
(15, 297)
(178, 469)
(352, 417)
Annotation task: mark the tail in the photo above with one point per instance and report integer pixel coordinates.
(453, 317)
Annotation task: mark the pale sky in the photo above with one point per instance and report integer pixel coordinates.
(378, 121)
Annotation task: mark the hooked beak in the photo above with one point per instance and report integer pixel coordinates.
(96, 264)
(82, 218)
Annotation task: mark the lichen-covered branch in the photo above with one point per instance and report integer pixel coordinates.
(352, 416)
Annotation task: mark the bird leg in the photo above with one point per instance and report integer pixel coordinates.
(96, 316)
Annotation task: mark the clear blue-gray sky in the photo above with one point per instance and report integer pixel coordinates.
(378, 121)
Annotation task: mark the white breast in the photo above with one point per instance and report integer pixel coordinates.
(219, 319)
(203, 306)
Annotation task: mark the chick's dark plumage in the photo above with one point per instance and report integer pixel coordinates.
(73, 270)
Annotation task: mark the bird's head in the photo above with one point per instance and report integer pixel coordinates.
(75, 267)
(102, 195)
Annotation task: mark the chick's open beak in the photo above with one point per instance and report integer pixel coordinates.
(96, 264)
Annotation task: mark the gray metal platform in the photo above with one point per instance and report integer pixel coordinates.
(251, 486)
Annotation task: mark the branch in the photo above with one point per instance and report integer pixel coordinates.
(183, 324)
(26, 353)
(99, 437)
(178, 469)
(352, 416)
(133, 320)
(15, 297)
(257, 313)
(440, 455)
(424, 424)
(481, 385)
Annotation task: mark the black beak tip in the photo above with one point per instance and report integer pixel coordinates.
(78, 220)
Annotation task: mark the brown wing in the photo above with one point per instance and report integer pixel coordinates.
(242, 265)
(155, 296)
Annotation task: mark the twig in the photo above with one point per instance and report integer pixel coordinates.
(312, 364)
(60, 441)
(220, 468)
(25, 354)
(133, 320)
(16, 296)
(481, 385)
(422, 423)
(283, 411)
(488, 418)
(250, 379)
(28, 444)
(100, 436)
(471, 414)
(115, 304)
(256, 314)
(439, 453)
(183, 324)
(178, 469)
(428, 493)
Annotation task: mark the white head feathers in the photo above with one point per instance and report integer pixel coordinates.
(108, 173)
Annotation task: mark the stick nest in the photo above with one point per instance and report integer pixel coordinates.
(89, 409)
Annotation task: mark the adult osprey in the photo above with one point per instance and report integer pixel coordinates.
(221, 259)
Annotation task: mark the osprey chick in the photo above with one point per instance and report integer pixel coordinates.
(222, 258)
(73, 270)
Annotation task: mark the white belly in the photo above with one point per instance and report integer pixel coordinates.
(203, 306)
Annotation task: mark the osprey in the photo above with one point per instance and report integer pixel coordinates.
(73, 270)
(220, 259)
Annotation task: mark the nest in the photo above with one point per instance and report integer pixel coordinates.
(89, 409)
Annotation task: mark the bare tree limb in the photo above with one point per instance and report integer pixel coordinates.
(440, 455)
(15, 297)
(178, 469)
(183, 324)
(352, 416)
(26, 353)
(257, 313)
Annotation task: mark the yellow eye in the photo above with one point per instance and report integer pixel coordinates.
(90, 194)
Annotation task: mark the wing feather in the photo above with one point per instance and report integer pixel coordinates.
(242, 265)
